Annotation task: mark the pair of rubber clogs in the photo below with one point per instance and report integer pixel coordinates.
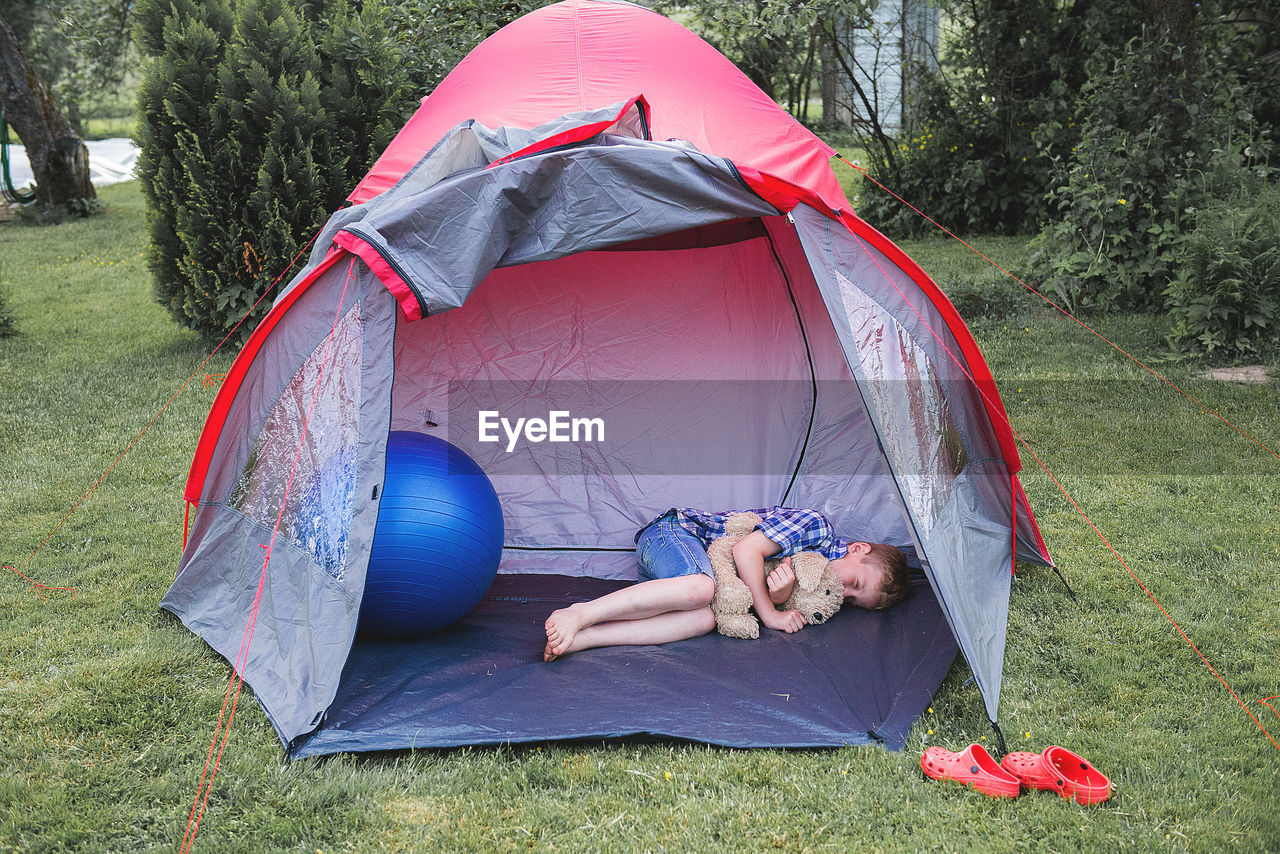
(1057, 769)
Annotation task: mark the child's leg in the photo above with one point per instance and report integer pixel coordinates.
(676, 585)
(657, 611)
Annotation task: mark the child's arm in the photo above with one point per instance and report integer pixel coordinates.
(781, 581)
(749, 555)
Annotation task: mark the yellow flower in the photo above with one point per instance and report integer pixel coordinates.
(666, 774)
(1122, 202)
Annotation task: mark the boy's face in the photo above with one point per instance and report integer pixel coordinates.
(861, 575)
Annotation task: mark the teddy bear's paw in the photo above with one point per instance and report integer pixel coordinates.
(731, 602)
(743, 627)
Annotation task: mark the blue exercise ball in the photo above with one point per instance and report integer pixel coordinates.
(437, 542)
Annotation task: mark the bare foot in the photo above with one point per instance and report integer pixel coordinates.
(562, 627)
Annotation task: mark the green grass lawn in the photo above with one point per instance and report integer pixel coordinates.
(108, 706)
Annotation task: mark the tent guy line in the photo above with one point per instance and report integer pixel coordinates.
(154, 419)
(222, 731)
(37, 586)
(1059, 308)
(1147, 591)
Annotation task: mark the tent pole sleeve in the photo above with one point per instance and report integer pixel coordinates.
(1013, 525)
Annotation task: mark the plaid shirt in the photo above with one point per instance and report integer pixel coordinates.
(793, 529)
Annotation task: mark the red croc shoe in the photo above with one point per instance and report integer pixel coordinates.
(972, 766)
(1067, 773)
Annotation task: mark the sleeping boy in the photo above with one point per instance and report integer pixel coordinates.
(673, 599)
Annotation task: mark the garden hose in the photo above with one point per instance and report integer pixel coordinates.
(11, 193)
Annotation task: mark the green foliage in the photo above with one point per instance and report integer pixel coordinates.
(367, 83)
(81, 49)
(773, 42)
(988, 124)
(1226, 296)
(1249, 45)
(1163, 134)
(254, 124)
(959, 167)
(439, 33)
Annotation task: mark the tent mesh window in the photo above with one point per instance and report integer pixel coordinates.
(305, 456)
(919, 432)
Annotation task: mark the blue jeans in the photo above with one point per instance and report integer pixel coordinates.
(666, 550)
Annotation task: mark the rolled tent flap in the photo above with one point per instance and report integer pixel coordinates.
(547, 205)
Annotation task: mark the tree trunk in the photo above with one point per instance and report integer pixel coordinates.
(59, 158)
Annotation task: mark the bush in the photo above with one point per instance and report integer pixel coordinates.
(1156, 145)
(959, 167)
(988, 124)
(440, 33)
(1226, 297)
(254, 122)
(8, 324)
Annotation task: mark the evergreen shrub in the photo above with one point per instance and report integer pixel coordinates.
(256, 117)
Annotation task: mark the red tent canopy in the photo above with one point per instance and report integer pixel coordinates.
(585, 54)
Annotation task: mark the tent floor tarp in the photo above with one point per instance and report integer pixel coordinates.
(862, 677)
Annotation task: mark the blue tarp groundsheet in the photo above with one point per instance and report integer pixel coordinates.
(862, 677)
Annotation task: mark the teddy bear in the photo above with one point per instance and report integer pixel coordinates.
(817, 595)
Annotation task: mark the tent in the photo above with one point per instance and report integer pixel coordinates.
(566, 225)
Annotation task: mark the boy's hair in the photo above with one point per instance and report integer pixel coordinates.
(895, 582)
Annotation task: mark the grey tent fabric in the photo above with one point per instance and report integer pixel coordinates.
(307, 614)
(954, 483)
(544, 207)
(467, 147)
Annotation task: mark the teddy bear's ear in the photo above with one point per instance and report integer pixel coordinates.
(808, 567)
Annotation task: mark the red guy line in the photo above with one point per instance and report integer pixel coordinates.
(1264, 702)
(156, 418)
(222, 731)
(1062, 310)
(37, 586)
